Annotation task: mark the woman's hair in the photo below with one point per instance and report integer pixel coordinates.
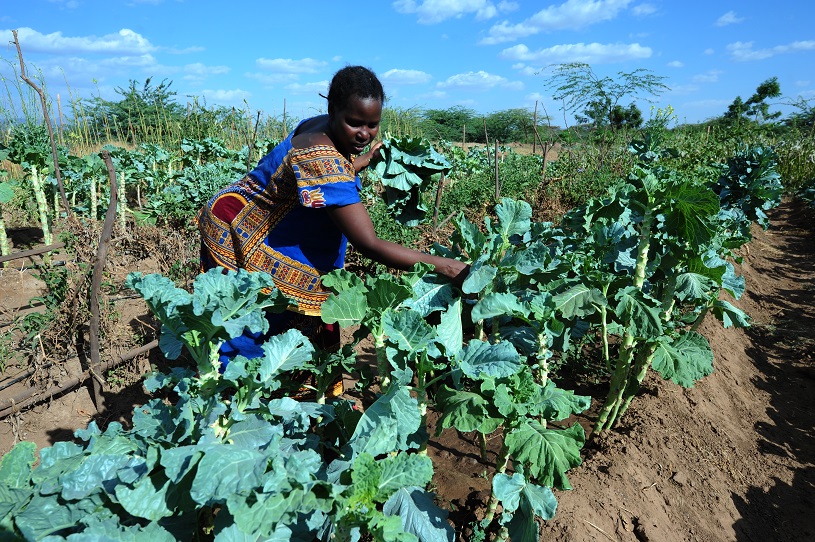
(353, 81)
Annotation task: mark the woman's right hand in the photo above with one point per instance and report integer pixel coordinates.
(455, 270)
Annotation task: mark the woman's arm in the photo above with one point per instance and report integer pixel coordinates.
(354, 221)
(364, 160)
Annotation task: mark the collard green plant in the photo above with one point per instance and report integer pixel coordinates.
(409, 167)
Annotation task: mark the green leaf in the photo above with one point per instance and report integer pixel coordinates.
(391, 423)
(512, 490)
(340, 280)
(419, 515)
(16, 466)
(514, 217)
(408, 330)
(579, 301)
(694, 287)
(449, 331)
(224, 470)
(147, 499)
(479, 278)
(47, 515)
(558, 404)
(639, 313)
(549, 453)
(730, 315)
(684, 360)
(480, 359)
(403, 470)
(466, 411)
(6, 192)
(498, 304)
(285, 352)
(347, 308)
(430, 294)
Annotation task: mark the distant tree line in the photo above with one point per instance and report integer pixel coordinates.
(151, 112)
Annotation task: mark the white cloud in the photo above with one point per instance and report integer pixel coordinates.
(272, 79)
(710, 76)
(123, 42)
(226, 96)
(743, 51)
(309, 88)
(591, 53)
(70, 4)
(675, 64)
(291, 66)
(728, 18)
(203, 70)
(199, 71)
(436, 11)
(479, 80)
(571, 15)
(433, 95)
(644, 9)
(406, 77)
(709, 51)
(679, 90)
(802, 83)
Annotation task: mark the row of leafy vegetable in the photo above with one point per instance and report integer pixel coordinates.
(235, 458)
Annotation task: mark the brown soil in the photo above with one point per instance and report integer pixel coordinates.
(731, 459)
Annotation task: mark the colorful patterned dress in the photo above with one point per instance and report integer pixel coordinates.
(275, 220)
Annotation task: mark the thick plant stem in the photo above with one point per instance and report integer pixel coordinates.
(642, 361)
(122, 206)
(94, 200)
(501, 467)
(645, 352)
(617, 384)
(42, 206)
(543, 359)
(700, 318)
(482, 444)
(610, 412)
(382, 361)
(604, 326)
(5, 248)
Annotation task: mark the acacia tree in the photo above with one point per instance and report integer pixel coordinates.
(141, 113)
(756, 105)
(598, 98)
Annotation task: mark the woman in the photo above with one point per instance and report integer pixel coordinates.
(294, 214)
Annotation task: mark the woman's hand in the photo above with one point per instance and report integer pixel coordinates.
(454, 270)
(366, 158)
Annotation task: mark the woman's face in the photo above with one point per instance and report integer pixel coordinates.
(355, 126)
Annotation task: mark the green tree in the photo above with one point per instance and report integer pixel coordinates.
(449, 123)
(143, 113)
(511, 125)
(596, 98)
(756, 105)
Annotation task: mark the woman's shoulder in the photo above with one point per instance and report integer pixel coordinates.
(311, 133)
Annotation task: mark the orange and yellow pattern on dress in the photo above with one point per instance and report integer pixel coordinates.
(313, 198)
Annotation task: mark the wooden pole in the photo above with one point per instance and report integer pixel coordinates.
(535, 126)
(96, 283)
(47, 118)
(33, 395)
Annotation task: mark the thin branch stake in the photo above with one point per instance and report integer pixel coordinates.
(98, 269)
(47, 118)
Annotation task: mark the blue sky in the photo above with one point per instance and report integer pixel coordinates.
(487, 55)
